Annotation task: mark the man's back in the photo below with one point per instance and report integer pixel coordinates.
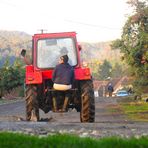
(110, 88)
(63, 74)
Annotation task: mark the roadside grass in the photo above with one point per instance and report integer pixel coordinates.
(134, 110)
(2, 101)
(16, 140)
(5, 101)
(137, 111)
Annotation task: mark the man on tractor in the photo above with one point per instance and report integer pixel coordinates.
(62, 78)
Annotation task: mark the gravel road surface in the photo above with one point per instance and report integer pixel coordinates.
(12, 118)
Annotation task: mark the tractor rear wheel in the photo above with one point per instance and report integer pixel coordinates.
(87, 113)
(32, 107)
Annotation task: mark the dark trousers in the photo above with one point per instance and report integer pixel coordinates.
(58, 94)
(60, 98)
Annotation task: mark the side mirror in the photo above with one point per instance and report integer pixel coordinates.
(23, 52)
(79, 47)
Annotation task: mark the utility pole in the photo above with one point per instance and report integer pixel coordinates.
(42, 30)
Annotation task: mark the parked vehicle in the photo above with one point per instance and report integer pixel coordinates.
(122, 93)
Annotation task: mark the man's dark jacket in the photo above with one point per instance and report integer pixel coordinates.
(63, 74)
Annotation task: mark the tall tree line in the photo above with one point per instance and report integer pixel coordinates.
(134, 44)
(11, 76)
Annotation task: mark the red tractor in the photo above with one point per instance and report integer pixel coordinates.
(46, 50)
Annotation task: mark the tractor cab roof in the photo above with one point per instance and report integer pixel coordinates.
(55, 35)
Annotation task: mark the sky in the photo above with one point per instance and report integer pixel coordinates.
(93, 20)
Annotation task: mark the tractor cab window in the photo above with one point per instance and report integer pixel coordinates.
(49, 51)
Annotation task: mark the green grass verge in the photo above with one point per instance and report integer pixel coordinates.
(5, 101)
(2, 101)
(137, 111)
(15, 140)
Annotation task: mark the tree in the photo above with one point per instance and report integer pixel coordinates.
(11, 76)
(134, 43)
(117, 71)
(105, 70)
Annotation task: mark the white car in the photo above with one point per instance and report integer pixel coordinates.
(122, 93)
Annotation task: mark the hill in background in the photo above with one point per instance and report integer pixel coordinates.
(11, 43)
(100, 51)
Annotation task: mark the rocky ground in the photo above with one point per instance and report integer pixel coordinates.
(12, 118)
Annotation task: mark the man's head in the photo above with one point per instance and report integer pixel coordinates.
(64, 58)
(110, 84)
(64, 51)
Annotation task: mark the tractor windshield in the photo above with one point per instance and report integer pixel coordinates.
(50, 50)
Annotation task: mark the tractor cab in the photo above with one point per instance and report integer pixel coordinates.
(49, 47)
(49, 50)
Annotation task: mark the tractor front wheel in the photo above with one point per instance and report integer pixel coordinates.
(32, 107)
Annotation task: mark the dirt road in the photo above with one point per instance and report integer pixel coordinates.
(12, 117)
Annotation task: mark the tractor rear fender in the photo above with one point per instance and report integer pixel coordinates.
(33, 77)
(82, 74)
(36, 77)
